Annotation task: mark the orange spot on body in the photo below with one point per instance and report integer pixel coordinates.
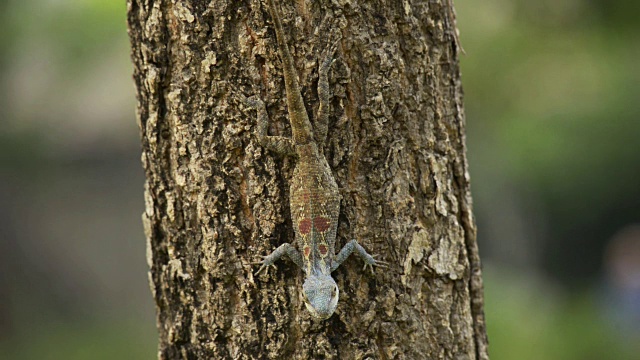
(306, 251)
(323, 249)
(321, 223)
(304, 226)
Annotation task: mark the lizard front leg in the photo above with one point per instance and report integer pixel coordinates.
(278, 144)
(349, 248)
(283, 249)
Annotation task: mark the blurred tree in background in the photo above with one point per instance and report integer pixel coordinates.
(552, 91)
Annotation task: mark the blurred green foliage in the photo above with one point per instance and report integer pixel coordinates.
(83, 341)
(551, 93)
(528, 319)
(80, 29)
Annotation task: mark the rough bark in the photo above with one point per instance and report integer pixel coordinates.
(216, 201)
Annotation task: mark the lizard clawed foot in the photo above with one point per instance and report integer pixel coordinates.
(374, 262)
(253, 102)
(327, 55)
(261, 262)
(380, 263)
(264, 265)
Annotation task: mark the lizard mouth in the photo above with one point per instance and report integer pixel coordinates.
(319, 315)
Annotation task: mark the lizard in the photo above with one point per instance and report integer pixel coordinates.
(314, 195)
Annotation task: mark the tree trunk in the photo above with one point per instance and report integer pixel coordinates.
(216, 201)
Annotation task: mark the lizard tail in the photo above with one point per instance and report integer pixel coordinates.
(300, 124)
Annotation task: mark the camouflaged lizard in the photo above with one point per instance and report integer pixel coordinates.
(314, 196)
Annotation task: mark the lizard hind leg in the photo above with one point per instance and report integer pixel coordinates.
(321, 125)
(279, 144)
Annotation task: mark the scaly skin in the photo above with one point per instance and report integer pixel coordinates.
(314, 196)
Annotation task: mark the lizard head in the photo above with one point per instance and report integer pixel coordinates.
(320, 295)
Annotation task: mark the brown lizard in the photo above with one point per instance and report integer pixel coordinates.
(314, 196)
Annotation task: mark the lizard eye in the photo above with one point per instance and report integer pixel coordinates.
(333, 292)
